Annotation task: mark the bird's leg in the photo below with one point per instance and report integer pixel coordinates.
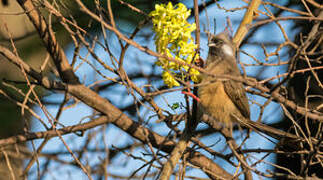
(241, 129)
(247, 137)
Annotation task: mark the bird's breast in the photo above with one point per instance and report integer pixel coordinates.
(215, 102)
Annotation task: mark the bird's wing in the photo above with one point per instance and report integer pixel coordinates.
(238, 96)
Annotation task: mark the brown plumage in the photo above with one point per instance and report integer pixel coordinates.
(222, 99)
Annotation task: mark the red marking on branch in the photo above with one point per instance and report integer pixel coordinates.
(192, 95)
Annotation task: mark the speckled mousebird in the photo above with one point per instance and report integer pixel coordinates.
(224, 100)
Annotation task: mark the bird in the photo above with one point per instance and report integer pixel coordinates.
(224, 101)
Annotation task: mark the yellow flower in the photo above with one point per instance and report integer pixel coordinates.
(173, 38)
(195, 75)
(169, 79)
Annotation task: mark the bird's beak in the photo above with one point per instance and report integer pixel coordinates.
(212, 44)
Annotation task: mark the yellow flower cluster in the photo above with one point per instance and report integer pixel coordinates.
(173, 38)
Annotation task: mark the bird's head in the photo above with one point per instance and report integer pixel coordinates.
(221, 45)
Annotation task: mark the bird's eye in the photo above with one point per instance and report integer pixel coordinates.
(215, 42)
(218, 41)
